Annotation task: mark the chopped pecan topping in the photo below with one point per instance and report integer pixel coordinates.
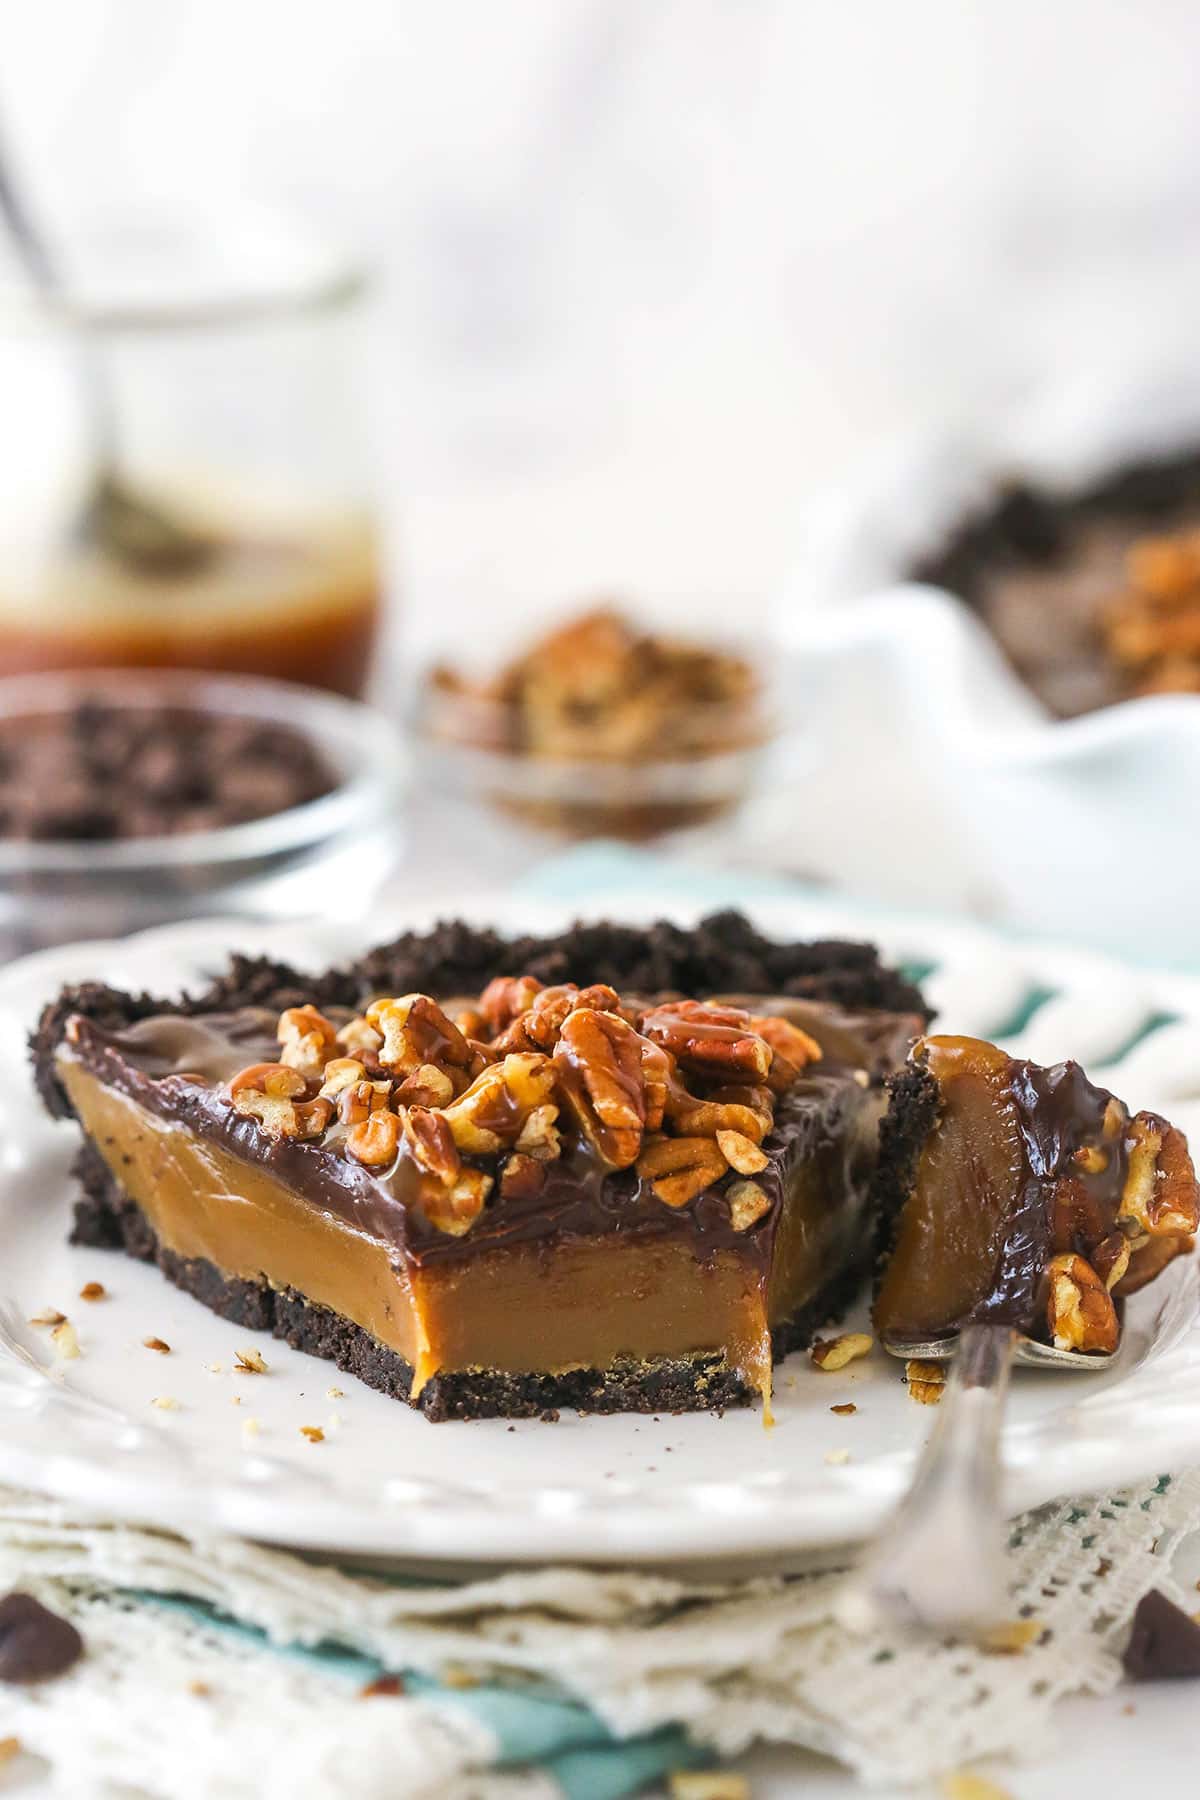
(340, 1073)
(741, 1153)
(508, 1075)
(1159, 1196)
(494, 1110)
(504, 1000)
(539, 1136)
(832, 1354)
(539, 1026)
(524, 1178)
(680, 1168)
(792, 1049)
(426, 1086)
(455, 1208)
(375, 1139)
(598, 688)
(360, 1039)
(416, 1031)
(275, 1079)
(716, 1042)
(1152, 630)
(357, 1102)
(267, 1092)
(307, 1039)
(314, 1117)
(1079, 1308)
(747, 1204)
(1110, 1258)
(429, 1140)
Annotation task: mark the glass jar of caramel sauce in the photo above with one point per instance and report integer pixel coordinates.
(182, 464)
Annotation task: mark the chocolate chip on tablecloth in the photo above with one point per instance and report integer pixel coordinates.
(35, 1643)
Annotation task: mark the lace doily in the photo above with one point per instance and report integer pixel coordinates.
(170, 1702)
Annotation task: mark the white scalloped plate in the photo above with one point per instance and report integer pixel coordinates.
(385, 1483)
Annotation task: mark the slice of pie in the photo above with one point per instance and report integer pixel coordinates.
(548, 1193)
(1021, 1195)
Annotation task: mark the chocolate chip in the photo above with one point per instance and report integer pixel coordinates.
(1164, 1642)
(34, 1642)
(102, 772)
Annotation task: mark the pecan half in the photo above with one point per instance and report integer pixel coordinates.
(658, 1082)
(540, 1025)
(711, 1041)
(705, 1118)
(926, 1381)
(680, 1168)
(1079, 1308)
(307, 1039)
(599, 1060)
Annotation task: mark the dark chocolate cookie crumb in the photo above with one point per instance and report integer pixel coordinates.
(34, 1642)
(722, 954)
(1164, 1643)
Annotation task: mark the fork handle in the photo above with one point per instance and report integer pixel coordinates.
(938, 1564)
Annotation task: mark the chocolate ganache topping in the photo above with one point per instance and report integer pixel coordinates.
(522, 1114)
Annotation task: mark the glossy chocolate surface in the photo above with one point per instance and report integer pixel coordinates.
(174, 1068)
(1000, 1188)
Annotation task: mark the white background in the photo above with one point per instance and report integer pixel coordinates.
(653, 268)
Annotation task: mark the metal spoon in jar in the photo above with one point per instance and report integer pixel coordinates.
(114, 517)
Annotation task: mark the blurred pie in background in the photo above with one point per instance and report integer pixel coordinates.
(1094, 596)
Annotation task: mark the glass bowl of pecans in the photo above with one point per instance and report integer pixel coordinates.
(134, 799)
(602, 728)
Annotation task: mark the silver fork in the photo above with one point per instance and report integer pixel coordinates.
(937, 1565)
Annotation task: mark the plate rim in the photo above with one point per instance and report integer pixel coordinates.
(780, 1525)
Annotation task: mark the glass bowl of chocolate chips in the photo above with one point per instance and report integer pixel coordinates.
(602, 728)
(133, 799)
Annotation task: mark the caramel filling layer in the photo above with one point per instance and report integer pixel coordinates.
(542, 1307)
(949, 1254)
(1023, 1166)
(524, 1308)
